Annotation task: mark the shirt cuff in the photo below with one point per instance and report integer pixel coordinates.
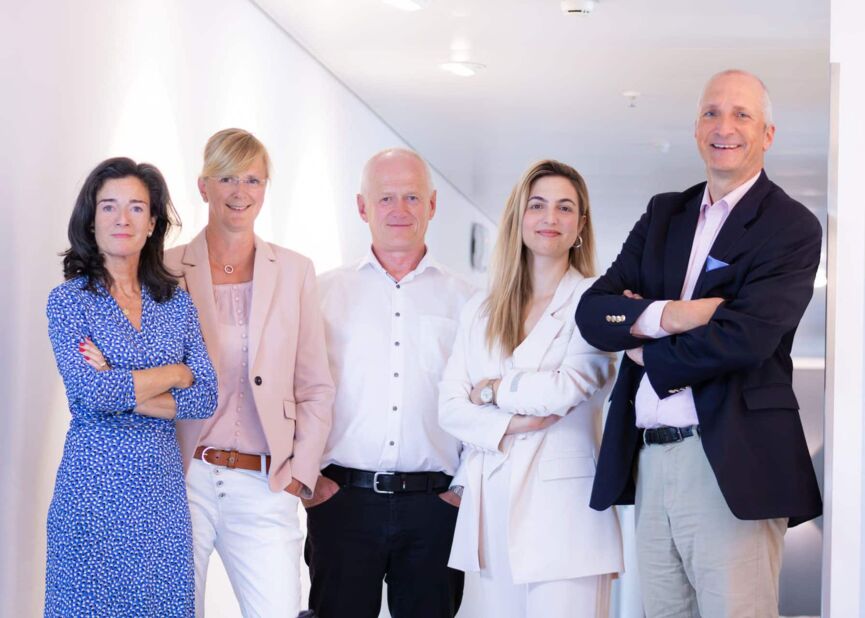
(648, 325)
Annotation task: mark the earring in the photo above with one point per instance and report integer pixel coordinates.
(579, 242)
(149, 234)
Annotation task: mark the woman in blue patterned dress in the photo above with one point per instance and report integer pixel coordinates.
(130, 352)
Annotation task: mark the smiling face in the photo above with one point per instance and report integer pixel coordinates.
(235, 200)
(397, 202)
(731, 131)
(122, 219)
(552, 221)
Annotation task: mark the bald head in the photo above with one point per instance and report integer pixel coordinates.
(766, 102)
(392, 158)
(397, 200)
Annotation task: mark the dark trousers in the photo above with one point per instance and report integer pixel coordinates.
(359, 537)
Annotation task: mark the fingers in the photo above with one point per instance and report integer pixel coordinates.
(450, 497)
(92, 355)
(633, 295)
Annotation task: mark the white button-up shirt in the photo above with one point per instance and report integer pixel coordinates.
(679, 409)
(388, 342)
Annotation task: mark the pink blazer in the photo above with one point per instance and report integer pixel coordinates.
(288, 367)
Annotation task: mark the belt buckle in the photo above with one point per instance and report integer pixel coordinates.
(375, 482)
(204, 455)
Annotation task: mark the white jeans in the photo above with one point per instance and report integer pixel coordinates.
(256, 533)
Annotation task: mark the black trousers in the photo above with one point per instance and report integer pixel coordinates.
(359, 537)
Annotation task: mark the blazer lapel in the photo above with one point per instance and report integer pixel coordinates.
(736, 225)
(680, 238)
(199, 284)
(263, 287)
(530, 353)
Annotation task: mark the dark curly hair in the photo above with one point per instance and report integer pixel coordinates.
(83, 257)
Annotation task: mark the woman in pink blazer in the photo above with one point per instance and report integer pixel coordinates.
(524, 392)
(249, 463)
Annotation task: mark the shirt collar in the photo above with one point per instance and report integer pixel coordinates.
(732, 198)
(427, 261)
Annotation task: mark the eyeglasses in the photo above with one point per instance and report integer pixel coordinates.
(251, 182)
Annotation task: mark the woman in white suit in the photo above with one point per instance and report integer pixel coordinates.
(524, 392)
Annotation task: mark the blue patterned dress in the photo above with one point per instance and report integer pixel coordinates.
(119, 536)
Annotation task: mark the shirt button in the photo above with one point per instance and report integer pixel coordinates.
(243, 335)
(396, 374)
(396, 314)
(397, 286)
(216, 471)
(258, 380)
(394, 408)
(221, 495)
(391, 443)
(219, 483)
(240, 395)
(396, 343)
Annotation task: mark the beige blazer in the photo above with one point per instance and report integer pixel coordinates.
(552, 532)
(288, 367)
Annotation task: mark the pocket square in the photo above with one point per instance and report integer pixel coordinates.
(713, 264)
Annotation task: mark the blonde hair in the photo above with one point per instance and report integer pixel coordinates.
(510, 277)
(230, 151)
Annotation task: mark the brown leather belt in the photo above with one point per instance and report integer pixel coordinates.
(231, 459)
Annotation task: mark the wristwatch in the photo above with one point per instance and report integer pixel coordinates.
(488, 395)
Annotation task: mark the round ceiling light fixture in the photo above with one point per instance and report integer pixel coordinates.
(462, 68)
(631, 96)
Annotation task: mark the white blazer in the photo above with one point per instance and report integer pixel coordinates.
(552, 532)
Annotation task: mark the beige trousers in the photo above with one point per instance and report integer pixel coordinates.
(694, 557)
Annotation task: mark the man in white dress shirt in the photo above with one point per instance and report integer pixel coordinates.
(382, 509)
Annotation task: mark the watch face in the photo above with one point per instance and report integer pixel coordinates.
(487, 394)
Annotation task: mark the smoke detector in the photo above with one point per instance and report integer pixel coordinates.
(578, 7)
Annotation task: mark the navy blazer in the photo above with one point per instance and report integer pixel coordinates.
(738, 365)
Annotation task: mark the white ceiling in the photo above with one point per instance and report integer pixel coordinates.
(553, 84)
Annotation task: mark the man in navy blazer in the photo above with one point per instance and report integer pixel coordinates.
(703, 431)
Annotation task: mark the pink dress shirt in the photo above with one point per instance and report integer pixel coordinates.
(235, 425)
(679, 410)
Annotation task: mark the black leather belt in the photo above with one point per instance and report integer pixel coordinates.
(667, 435)
(389, 482)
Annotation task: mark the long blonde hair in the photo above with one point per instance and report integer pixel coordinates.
(510, 277)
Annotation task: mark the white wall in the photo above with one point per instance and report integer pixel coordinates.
(844, 549)
(83, 81)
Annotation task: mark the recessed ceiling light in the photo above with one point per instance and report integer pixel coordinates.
(408, 5)
(578, 7)
(463, 69)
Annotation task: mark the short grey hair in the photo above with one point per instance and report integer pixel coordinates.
(390, 152)
(767, 101)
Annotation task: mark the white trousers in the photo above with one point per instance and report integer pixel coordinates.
(583, 597)
(256, 533)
